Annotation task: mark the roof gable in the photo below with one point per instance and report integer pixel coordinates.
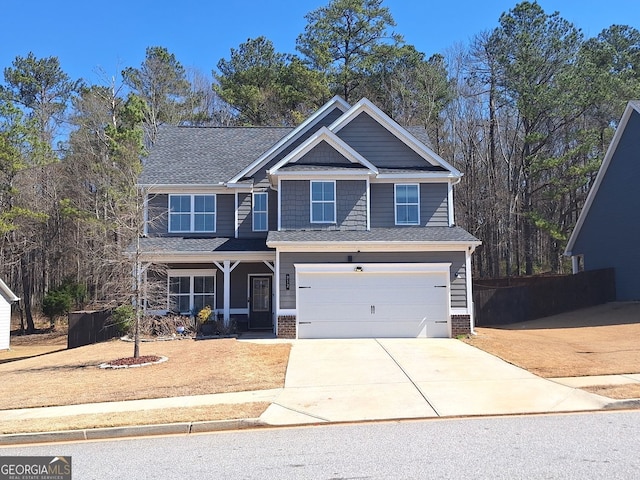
(364, 106)
(322, 138)
(623, 130)
(336, 103)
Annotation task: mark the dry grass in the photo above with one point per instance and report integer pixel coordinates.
(144, 417)
(617, 392)
(195, 367)
(25, 346)
(598, 341)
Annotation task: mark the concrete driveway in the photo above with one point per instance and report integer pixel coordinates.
(375, 379)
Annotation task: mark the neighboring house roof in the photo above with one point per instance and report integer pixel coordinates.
(205, 155)
(384, 235)
(7, 294)
(632, 106)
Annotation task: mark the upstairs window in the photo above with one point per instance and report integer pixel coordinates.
(192, 213)
(407, 199)
(323, 202)
(260, 216)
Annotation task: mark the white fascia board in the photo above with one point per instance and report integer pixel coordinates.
(392, 126)
(326, 135)
(207, 257)
(244, 186)
(631, 107)
(335, 102)
(440, 267)
(186, 188)
(7, 293)
(374, 246)
(324, 174)
(425, 177)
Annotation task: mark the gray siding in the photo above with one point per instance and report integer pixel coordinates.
(323, 154)
(239, 284)
(158, 218)
(610, 234)
(245, 217)
(433, 205)
(378, 145)
(260, 178)
(225, 215)
(351, 206)
(157, 215)
(457, 259)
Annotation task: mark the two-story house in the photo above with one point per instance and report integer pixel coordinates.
(341, 227)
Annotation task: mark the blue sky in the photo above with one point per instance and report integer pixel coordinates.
(88, 36)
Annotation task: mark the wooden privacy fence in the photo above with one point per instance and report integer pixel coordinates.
(88, 327)
(518, 299)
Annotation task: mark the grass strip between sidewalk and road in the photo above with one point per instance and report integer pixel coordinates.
(143, 417)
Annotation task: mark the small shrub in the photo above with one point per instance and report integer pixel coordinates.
(204, 315)
(123, 318)
(56, 303)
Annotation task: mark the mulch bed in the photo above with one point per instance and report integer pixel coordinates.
(141, 361)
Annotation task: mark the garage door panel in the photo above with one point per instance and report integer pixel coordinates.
(366, 330)
(348, 304)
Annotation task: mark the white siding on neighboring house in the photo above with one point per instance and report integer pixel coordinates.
(7, 297)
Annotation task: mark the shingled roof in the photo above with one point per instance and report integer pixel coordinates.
(205, 155)
(213, 155)
(384, 235)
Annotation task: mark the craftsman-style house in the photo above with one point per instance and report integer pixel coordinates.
(341, 227)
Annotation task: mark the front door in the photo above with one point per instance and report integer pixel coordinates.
(260, 316)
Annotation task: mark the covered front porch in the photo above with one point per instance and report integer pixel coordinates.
(237, 283)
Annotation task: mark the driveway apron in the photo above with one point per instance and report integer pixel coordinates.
(376, 379)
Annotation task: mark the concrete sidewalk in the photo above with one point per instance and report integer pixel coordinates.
(365, 379)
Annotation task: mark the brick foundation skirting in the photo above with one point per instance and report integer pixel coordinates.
(460, 325)
(286, 326)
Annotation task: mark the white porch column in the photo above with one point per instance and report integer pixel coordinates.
(470, 305)
(227, 292)
(227, 268)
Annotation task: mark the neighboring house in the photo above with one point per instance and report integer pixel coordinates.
(607, 233)
(341, 227)
(7, 297)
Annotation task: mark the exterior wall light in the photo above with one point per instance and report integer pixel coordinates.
(287, 282)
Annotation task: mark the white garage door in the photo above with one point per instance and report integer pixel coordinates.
(372, 300)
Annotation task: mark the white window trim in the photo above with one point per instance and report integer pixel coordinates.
(395, 202)
(191, 273)
(311, 202)
(192, 212)
(265, 211)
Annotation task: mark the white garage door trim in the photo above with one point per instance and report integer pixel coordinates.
(368, 304)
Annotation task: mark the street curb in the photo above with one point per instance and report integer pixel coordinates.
(623, 404)
(183, 428)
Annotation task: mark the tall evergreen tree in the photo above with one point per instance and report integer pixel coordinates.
(161, 83)
(267, 87)
(344, 38)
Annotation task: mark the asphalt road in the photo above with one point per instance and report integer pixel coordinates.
(578, 446)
